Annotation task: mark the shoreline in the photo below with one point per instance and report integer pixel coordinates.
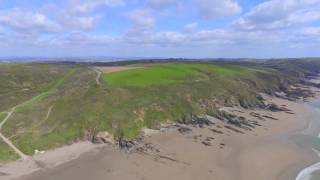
(306, 173)
(228, 152)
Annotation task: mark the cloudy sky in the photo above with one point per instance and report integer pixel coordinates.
(160, 28)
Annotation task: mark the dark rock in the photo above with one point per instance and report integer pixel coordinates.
(199, 121)
(216, 131)
(206, 143)
(209, 139)
(257, 115)
(269, 117)
(126, 144)
(184, 130)
(276, 108)
(234, 129)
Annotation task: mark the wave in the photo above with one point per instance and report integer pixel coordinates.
(306, 174)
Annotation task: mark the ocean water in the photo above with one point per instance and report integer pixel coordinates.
(310, 138)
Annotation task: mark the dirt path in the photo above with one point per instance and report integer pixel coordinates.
(7, 117)
(48, 113)
(6, 140)
(98, 75)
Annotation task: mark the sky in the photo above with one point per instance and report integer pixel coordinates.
(160, 28)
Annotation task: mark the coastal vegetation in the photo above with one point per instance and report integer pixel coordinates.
(58, 104)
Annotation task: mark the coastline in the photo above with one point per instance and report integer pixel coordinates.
(176, 155)
(309, 140)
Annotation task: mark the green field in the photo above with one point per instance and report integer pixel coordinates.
(60, 104)
(169, 73)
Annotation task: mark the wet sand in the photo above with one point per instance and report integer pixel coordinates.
(264, 153)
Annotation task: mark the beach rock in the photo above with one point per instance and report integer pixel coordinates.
(233, 129)
(103, 137)
(216, 131)
(275, 108)
(127, 145)
(256, 115)
(147, 148)
(270, 117)
(206, 143)
(209, 138)
(199, 121)
(184, 130)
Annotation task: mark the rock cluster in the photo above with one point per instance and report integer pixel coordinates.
(275, 108)
(199, 121)
(103, 137)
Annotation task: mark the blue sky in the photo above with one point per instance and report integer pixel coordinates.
(160, 28)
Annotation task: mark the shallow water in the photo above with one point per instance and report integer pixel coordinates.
(310, 138)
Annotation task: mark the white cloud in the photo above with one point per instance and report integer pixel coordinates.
(142, 20)
(79, 14)
(275, 14)
(189, 28)
(202, 38)
(86, 6)
(310, 31)
(27, 21)
(78, 22)
(162, 4)
(209, 9)
(79, 38)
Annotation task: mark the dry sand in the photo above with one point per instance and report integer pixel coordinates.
(266, 153)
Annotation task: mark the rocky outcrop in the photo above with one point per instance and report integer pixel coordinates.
(275, 108)
(103, 137)
(199, 121)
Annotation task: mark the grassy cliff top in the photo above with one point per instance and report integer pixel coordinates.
(169, 73)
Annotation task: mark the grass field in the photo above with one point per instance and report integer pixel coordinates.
(169, 73)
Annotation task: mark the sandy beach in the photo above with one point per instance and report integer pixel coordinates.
(213, 152)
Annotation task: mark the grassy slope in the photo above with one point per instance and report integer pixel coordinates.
(132, 99)
(2, 116)
(31, 127)
(6, 154)
(152, 95)
(20, 82)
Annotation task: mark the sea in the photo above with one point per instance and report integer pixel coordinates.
(310, 138)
